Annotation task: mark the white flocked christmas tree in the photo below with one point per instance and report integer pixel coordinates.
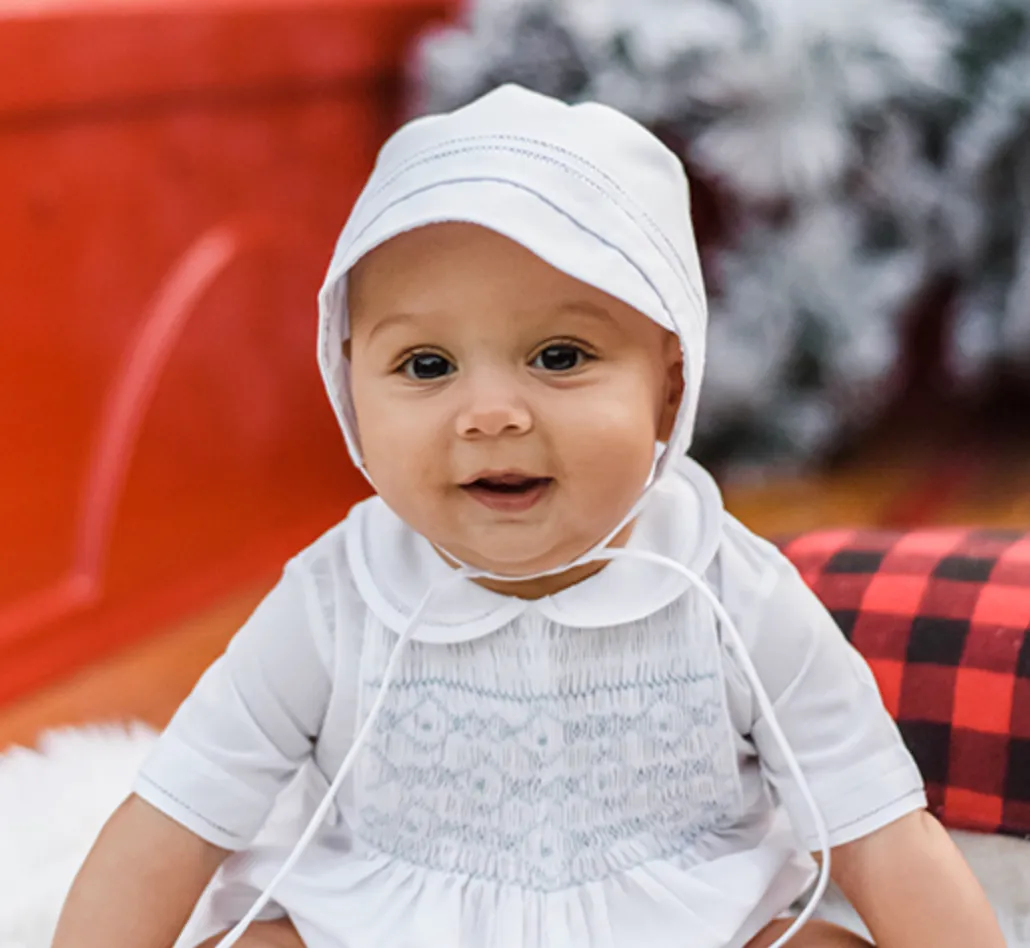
(862, 151)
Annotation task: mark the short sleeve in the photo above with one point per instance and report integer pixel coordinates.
(829, 708)
(249, 723)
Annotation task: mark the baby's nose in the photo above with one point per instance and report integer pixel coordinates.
(493, 407)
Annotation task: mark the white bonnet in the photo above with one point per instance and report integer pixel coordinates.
(584, 187)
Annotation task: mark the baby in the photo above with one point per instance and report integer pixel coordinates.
(542, 690)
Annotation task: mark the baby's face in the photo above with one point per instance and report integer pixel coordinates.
(506, 411)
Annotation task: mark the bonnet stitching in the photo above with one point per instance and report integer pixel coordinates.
(435, 155)
(412, 162)
(418, 158)
(559, 210)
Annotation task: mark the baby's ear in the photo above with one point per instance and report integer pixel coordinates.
(674, 388)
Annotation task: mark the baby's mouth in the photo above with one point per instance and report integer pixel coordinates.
(511, 491)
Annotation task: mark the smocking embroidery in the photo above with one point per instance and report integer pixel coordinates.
(544, 756)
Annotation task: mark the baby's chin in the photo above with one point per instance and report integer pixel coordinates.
(520, 576)
(506, 563)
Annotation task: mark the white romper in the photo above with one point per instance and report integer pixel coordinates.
(589, 769)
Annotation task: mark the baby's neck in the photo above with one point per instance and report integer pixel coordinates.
(542, 586)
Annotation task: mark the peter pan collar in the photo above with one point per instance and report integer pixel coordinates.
(393, 567)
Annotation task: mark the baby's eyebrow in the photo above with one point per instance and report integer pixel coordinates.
(394, 319)
(573, 307)
(584, 308)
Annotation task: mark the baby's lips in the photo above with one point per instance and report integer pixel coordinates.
(504, 479)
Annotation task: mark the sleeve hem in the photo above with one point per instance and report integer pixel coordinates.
(863, 799)
(187, 817)
(192, 790)
(882, 816)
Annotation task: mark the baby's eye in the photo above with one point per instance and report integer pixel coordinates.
(427, 366)
(560, 358)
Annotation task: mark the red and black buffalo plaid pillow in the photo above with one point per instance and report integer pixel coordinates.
(943, 618)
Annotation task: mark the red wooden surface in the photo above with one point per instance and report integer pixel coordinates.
(172, 178)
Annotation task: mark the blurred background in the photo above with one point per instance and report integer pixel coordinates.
(173, 174)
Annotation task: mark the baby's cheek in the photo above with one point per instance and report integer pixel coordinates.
(616, 458)
(628, 425)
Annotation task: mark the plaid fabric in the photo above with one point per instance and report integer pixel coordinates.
(943, 618)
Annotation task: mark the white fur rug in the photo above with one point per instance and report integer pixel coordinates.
(54, 800)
